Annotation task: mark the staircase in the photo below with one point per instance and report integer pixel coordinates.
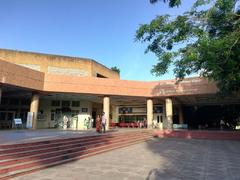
(20, 159)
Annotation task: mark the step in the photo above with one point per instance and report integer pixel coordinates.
(38, 149)
(22, 146)
(65, 154)
(57, 152)
(70, 157)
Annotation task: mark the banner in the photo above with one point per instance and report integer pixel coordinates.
(29, 120)
(18, 121)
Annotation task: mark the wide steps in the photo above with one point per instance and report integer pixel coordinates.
(14, 162)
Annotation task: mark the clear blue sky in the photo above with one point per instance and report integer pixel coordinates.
(102, 30)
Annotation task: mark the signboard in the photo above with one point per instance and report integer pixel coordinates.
(125, 110)
(29, 120)
(180, 126)
(18, 121)
(84, 109)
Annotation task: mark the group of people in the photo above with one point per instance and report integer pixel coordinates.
(142, 124)
(101, 123)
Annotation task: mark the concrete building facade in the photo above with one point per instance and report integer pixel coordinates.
(55, 87)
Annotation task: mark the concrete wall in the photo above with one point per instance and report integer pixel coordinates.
(15, 75)
(100, 69)
(103, 86)
(12, 74)
(46, 107)
(56, 64)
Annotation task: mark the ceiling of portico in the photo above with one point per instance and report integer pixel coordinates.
(15, 92)
(66, 96)
(207, 100)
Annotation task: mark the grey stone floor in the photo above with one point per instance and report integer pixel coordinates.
(24, 135)
(20, 136)
(156, 159)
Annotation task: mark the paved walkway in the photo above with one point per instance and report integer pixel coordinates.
(157, 159)
(20, 136)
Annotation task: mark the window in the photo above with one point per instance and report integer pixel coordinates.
(2, 116)
(56, 103)
(157, 109)
(40, 115)
(75, 112)
(75, 103)
(125, 110)
(84, 109)
(65, 103)
(25, 102)
(52, 115)
(14, 101)
(101, 76)
(4, 101)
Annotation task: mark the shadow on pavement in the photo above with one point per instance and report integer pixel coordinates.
(194, 159)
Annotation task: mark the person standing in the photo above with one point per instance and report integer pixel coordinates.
(98, 124)
(222, 124)
(104, 122)
(145, 122)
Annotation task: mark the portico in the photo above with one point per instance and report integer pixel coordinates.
(51, 93)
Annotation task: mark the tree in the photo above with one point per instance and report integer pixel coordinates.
(204, 40)
(171, 3)
(116, 69)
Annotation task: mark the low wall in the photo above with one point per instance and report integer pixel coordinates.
(213, 135)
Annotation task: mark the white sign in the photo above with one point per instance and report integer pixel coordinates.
(29, 120)
(18, 121)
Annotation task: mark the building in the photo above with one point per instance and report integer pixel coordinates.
(53, 86)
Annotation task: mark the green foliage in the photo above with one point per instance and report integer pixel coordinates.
(204, 40)
(116, 69)
(171, 3)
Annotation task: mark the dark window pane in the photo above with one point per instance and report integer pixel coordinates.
(2, 116)
(65, 103)
(25, 102)
(56, 103)
(75, 103)
(14, 101)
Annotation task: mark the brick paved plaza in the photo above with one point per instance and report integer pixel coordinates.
(156, 159)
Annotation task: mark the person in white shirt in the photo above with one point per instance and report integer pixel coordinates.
(104, 122)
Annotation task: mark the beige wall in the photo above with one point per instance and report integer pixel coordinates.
(56, 64)
(45, 106)
(114, 112)
(12, 74)
(103, 86)
(19, 76)
(100, 69)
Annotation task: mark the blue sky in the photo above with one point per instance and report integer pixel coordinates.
(102, 30)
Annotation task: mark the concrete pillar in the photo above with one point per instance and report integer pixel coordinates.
(34, 108)
(0, 94)
(169, 113)
(114, 113)
(180, 114)
(149, 112)
(106, 109)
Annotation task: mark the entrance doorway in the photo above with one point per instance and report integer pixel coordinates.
(94, 116)
(6, 119)
(158, 120)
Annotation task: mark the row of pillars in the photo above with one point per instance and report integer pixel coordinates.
(106, 108)
(167, 124)
(169, 112)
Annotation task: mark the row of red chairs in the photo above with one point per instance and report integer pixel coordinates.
(124, 125)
